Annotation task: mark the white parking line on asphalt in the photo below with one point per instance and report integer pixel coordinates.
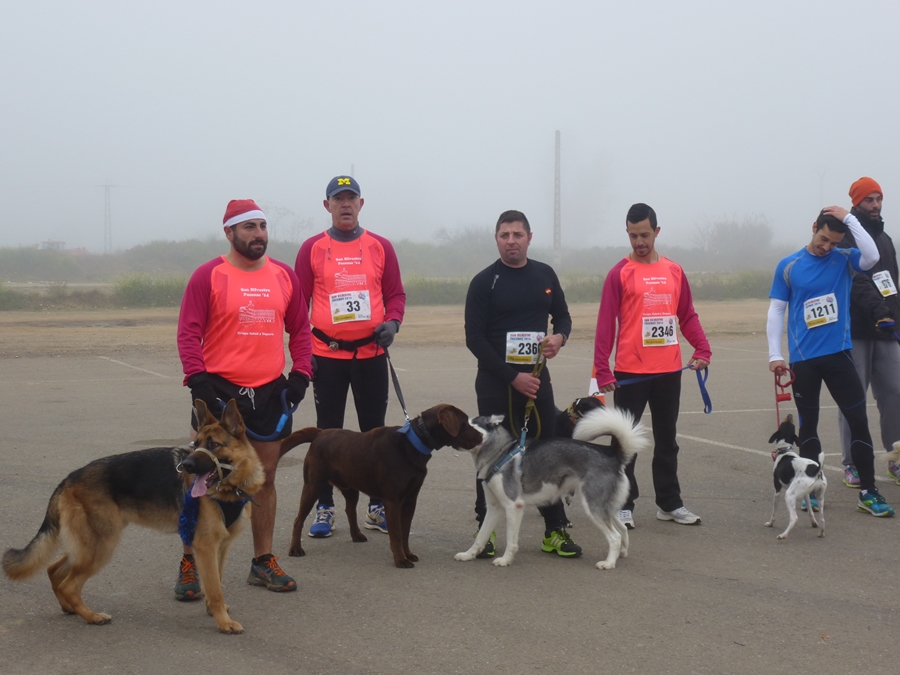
(143, 370)
(756, 410)
(765, 453)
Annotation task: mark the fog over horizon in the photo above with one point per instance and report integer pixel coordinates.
(446, 113)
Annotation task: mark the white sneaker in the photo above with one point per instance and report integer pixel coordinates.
(626, 517)
(680, 515)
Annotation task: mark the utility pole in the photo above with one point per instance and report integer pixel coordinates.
(557, 224)
(107, 220)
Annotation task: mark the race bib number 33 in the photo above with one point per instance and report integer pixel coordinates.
(350, 306)
(820, 311)
(522, 348)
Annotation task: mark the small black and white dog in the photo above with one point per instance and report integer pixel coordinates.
(800, 476)
(550, 469)
(568, 418)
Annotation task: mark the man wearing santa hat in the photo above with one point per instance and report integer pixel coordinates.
(874, 317)
(235, 312)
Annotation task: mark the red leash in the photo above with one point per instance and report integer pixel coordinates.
(782, 396)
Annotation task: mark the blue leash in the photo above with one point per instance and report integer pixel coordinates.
(285, 416)
(702, 377)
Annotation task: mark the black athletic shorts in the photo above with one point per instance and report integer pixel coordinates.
(260, 407)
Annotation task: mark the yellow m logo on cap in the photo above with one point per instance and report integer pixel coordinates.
(343, 181)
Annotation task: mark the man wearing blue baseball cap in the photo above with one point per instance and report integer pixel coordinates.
(352, 279)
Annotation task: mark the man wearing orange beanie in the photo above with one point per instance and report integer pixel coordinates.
(874, 326)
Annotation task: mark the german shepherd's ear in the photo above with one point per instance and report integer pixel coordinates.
(232, 421)
(204, 417)
(449, 419)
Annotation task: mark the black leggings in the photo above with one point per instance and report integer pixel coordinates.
(839, 375)
(368, 379)
(494, 399)
(663, 394)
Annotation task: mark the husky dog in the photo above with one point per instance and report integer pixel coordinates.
(802, 478)
(549, 470)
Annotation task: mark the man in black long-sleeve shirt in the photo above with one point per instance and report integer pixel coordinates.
(507, 309)
(874, 317)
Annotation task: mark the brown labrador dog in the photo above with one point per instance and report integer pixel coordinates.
(388, 461)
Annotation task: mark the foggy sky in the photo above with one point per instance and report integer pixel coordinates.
(446, 111)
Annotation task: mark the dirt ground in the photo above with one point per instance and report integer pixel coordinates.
(74, 333)
(723, 598)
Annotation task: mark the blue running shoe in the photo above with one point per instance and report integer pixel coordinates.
(375, 518)
(812, 500)
(324, 525)
(872, 502)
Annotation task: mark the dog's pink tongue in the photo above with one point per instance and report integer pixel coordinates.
(199, 488)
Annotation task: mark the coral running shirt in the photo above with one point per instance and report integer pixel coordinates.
(648, 303)
(352, 287)
(232, 323)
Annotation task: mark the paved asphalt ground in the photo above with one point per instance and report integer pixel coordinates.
(724, 597)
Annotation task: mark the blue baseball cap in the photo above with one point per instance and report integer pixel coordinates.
(341, 184)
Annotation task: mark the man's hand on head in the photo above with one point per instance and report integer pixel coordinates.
(838, 212)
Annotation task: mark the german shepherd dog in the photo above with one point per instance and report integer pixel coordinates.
(91, 507)
(386, 461)
(550, 469)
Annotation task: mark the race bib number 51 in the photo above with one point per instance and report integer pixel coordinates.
(820, 311)
(522, 348)
(884, 283)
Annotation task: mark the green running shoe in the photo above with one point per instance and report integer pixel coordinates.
(490, 548)
(559, 542)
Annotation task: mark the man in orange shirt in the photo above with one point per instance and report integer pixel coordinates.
(235, 312)
(648, 296)
(351, 279)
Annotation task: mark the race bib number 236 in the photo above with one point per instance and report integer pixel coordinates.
(523, 347)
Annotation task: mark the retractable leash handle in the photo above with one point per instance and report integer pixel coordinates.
(782, 396)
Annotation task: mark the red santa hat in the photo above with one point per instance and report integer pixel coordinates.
(239, 210)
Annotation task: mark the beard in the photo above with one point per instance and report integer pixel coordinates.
(247, 249)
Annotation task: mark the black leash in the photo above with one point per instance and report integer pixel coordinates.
(396, 384)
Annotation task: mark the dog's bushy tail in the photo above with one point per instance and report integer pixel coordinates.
(307, 435)
(894, 455)
(23, 563)
(615, 422)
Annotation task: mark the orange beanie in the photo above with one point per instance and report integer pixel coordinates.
(863, 188)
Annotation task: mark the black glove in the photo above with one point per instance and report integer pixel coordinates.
(202, 387)
(385, 332)
(887, 325)
(296, 387)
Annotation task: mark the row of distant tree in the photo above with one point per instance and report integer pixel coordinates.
(719, 245)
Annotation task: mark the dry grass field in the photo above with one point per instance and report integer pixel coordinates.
(70, 333)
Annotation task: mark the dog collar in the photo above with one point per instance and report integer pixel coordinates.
(517, 450)
(417, 443)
